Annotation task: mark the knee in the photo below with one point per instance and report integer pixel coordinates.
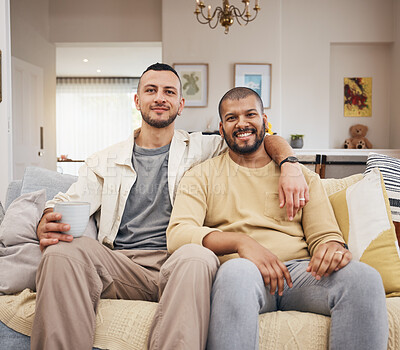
(199, 255)
(239, 285)
(238, 274)
(363, 282)
(68, 248)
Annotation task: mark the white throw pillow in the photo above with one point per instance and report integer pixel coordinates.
(20, 254)
(19, 247)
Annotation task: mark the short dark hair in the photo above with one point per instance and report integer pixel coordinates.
(238, 93)
(162, 67)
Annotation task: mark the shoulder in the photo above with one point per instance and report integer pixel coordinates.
(120, 152)
(197, 137)
(208, 167)
(313, 180)
(309, 175)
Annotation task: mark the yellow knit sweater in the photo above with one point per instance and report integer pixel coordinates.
(222, 195)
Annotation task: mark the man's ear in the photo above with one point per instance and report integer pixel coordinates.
(221, 132)
(181, 105)
(265, 121)
(136, 98)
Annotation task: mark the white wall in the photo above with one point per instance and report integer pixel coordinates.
(187, 41)
(295, 36)
(5, 105)
(395, 105)
(105, 20)
(361, 60)
(30, 43)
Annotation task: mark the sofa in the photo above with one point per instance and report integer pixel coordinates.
(123, 324)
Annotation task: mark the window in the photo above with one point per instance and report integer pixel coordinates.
(93, 113)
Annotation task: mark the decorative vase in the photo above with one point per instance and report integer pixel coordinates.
(296, 141)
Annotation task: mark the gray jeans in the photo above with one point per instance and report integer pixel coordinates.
(73, 276)
(353, 296)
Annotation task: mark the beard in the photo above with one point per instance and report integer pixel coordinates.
(248, 147)
(158, 123)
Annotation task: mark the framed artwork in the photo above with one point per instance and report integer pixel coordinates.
(357, 97)
(194, 77)
(256, 76)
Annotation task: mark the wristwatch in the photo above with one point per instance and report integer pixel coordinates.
(289, 159)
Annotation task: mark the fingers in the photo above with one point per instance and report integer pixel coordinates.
(50, 231)
(275, 275)
(44, 243)
(328, 258)
(306, 195)
(345, 260)
(289, 205)
(281, 197)
(295, 201)
(52, 216)
(293, 189)
(286, 274)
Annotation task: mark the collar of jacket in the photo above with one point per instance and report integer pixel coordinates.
(124, 157)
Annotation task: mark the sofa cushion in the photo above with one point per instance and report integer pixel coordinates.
(53, 182)
(332, 186)
(19, 246)
(363, 214)
(125, 324)
(390, 170)
(1, 213)
(36, 178)
(13, 192)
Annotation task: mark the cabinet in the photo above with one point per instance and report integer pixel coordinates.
(339, 163)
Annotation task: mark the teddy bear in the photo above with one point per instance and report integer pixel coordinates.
(358, 139)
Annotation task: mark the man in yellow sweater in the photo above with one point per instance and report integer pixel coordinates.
(229, 205)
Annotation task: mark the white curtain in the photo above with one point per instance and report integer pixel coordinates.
(93, 113)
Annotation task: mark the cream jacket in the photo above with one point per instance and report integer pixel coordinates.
(106, 178)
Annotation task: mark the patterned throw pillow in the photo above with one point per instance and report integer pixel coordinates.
(390, 170)
(363, 214)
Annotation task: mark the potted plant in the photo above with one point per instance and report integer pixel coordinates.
(296, 140)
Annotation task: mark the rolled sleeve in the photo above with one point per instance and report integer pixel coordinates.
(319, 222)
(87, 188)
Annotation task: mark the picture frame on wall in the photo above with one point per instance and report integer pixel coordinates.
(256, 76)
(358, 97)
(194, 78)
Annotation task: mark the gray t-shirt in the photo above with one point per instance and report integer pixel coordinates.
(148, 208)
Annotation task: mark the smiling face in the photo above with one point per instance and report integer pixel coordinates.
(158, 98)
(242, 124)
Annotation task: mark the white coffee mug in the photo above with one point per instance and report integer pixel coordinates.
(75, 214)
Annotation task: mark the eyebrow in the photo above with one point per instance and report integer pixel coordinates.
(163, 87)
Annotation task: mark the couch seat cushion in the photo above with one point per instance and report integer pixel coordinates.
(125, 324)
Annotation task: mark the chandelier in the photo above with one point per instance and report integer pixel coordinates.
(225, 14)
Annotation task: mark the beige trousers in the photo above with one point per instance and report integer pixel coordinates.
(72, 277)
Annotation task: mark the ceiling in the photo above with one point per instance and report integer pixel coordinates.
(106, 59)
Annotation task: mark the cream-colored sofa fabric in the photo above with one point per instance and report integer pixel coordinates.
(123, 324)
